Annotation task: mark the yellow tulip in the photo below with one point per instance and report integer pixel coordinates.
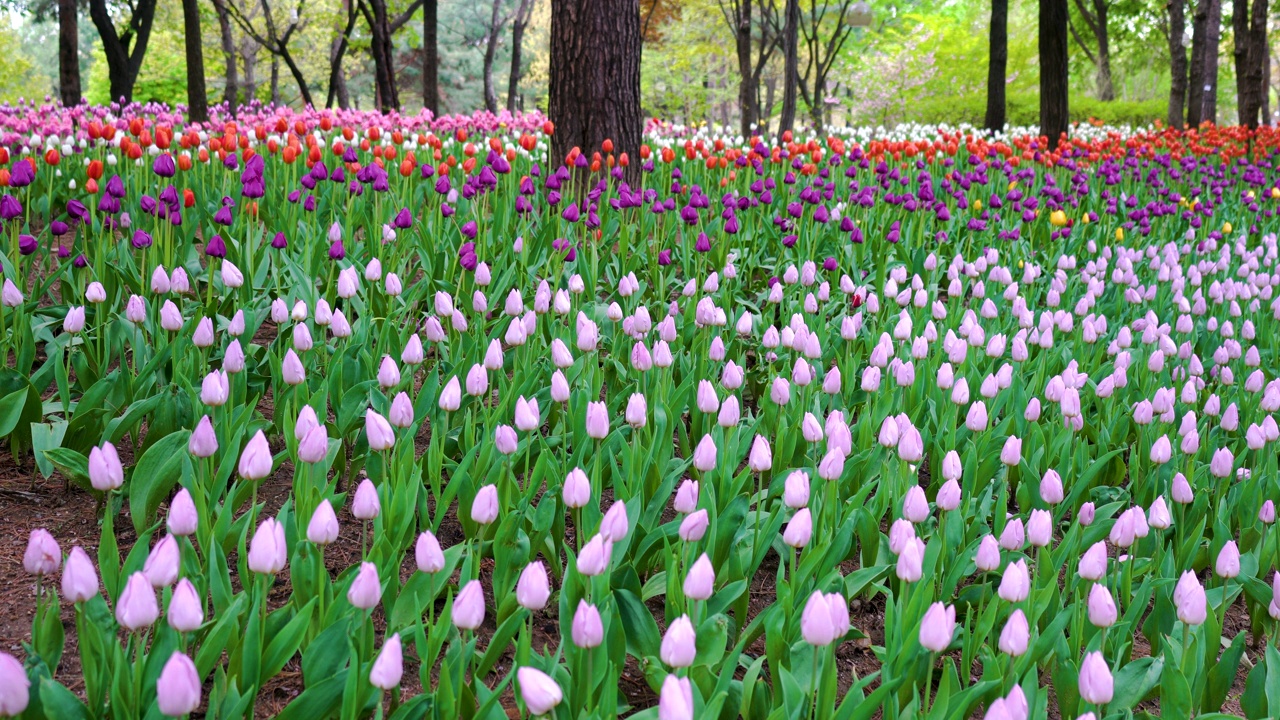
(1226, 228)
(1119, 234)
(1058, 218)
(1275, 193)
(977, 206)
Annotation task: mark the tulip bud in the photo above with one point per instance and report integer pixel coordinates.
(938, 627)
(534, 588)
(468, 606)
(178, 687)
(679, 647)
(539, 692)
(1016, 635)
(79, 579)
(42, 556)
(587, 630)
(366, 505)
(323, 527)
(137, 608)
(388, 667)
(186, 608)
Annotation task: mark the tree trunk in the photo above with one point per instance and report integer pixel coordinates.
(123, 63)
(1250, 54)
(1195, 83)
(197, 97)
(517, 46)
(1213, 34)
(770, 89)
(490, 52)
(1266, 84)
(746, 72)
(337, 51)
(1106, 90)
(430, 59)
(1177, 62)
(997, 67)
(249, 53)
(595, 78)
(380, 47)
(275, 80)
(791, 67)
(231, 82)
(1053, 70)
(68, 53)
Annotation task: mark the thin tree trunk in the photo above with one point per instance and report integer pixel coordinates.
(1053, 70)
(490, 52)
(275, 80)
(1177, 62)
(770, 89)
(1106, 90)
(375, 13)
(249, 53)
(231, 82)
(1250, 54)
(791, 66)
(997, 67)
(69, 53)
(197, 97)
(124, 53)
(517, 48)
(746, 71)
(1196, 81)
(430, 59)
(1266, 84)
(595, 78)
(1214, 36)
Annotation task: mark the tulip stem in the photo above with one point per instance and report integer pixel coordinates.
(928, 683)
(813, 685)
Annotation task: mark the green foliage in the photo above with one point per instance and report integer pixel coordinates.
(1024, 109)
(21, 77)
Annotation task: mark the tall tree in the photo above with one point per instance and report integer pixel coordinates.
(69, 53)
(275, 38)
(231, 80)
(1202, 96)
(997, 65)
(337, 51)
(197, 97)
(1213, 33)
(518, 23)
(124, 50)
(497, 21)
(825, 29)
(430, 58)
(382, 28)
(1251, 54)
(1053, 70)
(1096, 21)
(790, 66)
(738, 16)
(1177, 62)
(595, 77)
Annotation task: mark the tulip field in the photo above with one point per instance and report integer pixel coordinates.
(331, 414)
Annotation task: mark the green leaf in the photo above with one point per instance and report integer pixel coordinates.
(155, 475)
(284, 644)
(317, 701)
(60, 702)
(1175, 693)
(1222, 674)
(642, 632)
(1134, 682)
(11, 406)
(44, 438)
(70, 463)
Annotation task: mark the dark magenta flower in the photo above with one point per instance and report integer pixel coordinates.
(223, 216)
(469, 230)
(141, 239)
(279, 242)
(703, 243)
(57, 227)
(309, 204)
(790, 240)
(570, 213)
(75, 209)
(664, 257)
(216, 247)
(164, 166)
(830, 264)
(115, 186)
(10, 208)
(80, 261)
(403, 219)
(22, 174)
(337, 251)
(27, 244)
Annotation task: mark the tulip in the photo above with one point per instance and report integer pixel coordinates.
(163, 563)
(42, 556)
(1228, 562)
(1015, 585)
(760, 458)
(1016, 635)
(1096, 684)
(911, 561)
(388, 372)
(378, 430)
(675, 701)
(937, 627)
(484, 508)
(686, 499)
(704, 455)
(366, 505)
(427, 553)
(79, 579)
(799, 530)
(451, 395)
(505, 439)
(595, 556)
(256, 460)
(1051, 488)
(597, 422)
(577, 489)
(534, 588)
(1189, 599)
(366, 588)
(816, 624)
(587, 631)
(268, 552)
(614, 525)
(539, 692)
(186, 608)
(137, 608)
(1093, 564)
(388, 667)
(988, 556)
(178, 687)
(1102, 607)
(679, 646)
(915, 507)
(105, 471)
(15, 686)
(1011, 453)
(468, 606)
(527, 417)
(699, 584)
(323, 527)
(1040, 528)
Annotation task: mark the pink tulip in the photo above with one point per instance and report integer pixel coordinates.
(597, 421)
(1096, 684)
(679, 646)
(42, 556)
(915, 507)
(1189, 599)
(378, 431)
(163, 563)
(186, 608)
(388, 667)
(137, 608)
(587, 631)
(799, 530)
(699, 584)
(577, 489)
(178, 687)
(451, 395)
(595, 556)
(105, 471)
(704, 455)
(323, 528)
(1015, 585)
(686, 500)
(79, 579)
(938, 627)
(1016, 635)
(15, 686)
(1102, 607)
(268, 552)
(484, 508)
(427, 553)
(910, 566)
(675, 701)
(366, 589)
(988, 557)
(534, 587)
(366, 505)
(468, 606)
(540, 693)
(256, 460)
(505, 439)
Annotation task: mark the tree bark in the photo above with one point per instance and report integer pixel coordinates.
(249, 53)
(519, 23)
(231, 81)
(1177, 62)
(1106, 90)
(490, 52)
(791, 67)
(595, 78)
(375, 13)
(747, 90)
(997, 67)
(430, 59)
(1053, 70)
(197, 96)
(124, 51)
(337, 78)
(1250, 55)
(1195, 82)
(1213, 33)
(69, 53)
(1266, 84)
